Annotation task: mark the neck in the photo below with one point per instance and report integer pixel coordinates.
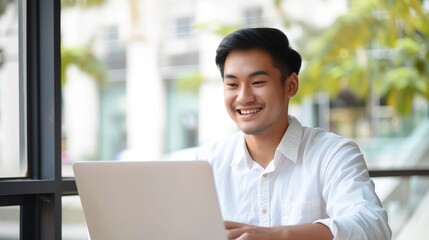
(262, 147)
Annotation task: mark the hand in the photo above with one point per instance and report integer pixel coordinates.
(242, 231)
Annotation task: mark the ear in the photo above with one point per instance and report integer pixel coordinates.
(292, 84)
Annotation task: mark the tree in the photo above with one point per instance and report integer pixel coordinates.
(82, 3)
(83, 56)
(379, 43)
(85, 60)
(3, 5)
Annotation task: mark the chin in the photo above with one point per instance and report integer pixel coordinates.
(252, 131)
(255, 130)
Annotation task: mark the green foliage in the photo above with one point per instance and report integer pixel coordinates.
(85, 60)
(82, 3)
(383, 42)
(400, 86)
(190, 83)
(82, 57)
(218, 29)
(3, 5)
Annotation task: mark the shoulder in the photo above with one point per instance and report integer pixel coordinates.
(325, 140)
(337, 154)
(330, 148)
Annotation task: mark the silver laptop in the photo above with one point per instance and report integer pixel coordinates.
(162, 200)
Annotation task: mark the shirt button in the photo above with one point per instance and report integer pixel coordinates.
(265, 175)
(264, 211)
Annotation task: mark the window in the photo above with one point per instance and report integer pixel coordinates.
(38, 196)
(9, 222)
(12, 90)
(94, 98)
(73, 220)
(253, 17)
(184, 27)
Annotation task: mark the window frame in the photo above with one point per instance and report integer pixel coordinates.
(40, 193)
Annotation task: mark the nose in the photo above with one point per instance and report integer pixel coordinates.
(245, 95)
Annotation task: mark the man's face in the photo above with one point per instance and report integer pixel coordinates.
(254, 94)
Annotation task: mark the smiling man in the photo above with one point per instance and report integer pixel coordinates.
(275, 178)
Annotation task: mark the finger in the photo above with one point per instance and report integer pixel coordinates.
(235, 233)
(231, 225)
(246, 236)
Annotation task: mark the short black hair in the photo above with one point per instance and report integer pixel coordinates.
(271, 40)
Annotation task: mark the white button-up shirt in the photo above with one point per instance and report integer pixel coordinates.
(315, 176)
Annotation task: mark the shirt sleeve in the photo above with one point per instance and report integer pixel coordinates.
(354, 209)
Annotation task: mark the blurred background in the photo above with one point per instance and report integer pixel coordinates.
(139, 83)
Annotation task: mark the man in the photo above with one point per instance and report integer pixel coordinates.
(276, 179)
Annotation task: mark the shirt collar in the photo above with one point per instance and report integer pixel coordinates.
(288, 146)
(241, 153)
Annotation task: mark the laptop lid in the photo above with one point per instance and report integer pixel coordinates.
(149, 200)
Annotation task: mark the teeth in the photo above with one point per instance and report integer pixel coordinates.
(245, 112)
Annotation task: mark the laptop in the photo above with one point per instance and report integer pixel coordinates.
(159, 200)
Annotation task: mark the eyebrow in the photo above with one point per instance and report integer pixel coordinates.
(253, 74)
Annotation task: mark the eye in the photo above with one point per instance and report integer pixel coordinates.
(258, 83)
(231, 85)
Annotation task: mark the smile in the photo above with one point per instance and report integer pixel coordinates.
(249, 111)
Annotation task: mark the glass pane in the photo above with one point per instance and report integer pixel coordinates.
(12, 102)
(73, 220)
(142, 84)
(406, 201)
(9, 222)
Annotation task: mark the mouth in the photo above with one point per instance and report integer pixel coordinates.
(248, 111)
